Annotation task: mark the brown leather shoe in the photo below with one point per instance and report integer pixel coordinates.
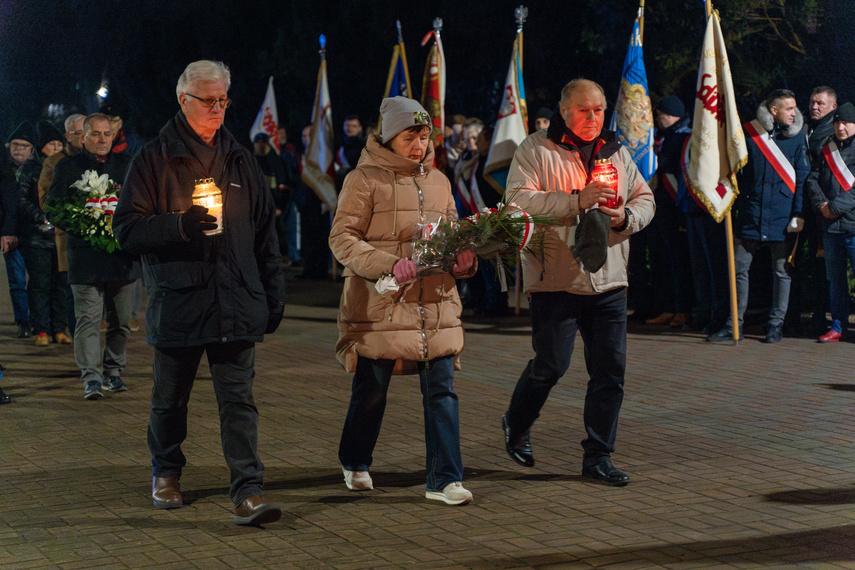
(661, 319)
(62, 338)
(255, 511)
(166, 493)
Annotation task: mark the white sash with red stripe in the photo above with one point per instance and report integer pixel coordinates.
(835, 162)
(772, 153)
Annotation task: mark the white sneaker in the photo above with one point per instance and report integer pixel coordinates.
(451, 494)
(357, 480)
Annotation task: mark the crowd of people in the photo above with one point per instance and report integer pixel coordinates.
(214, 273)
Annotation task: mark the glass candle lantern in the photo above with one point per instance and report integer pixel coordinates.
(605, 172)
(207, 194)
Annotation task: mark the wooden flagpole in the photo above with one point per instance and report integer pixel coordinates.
(520, 15)
(731, 262)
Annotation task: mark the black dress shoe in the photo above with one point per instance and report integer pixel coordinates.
(606, 472)
(4, 399)
(518, 447)
(774, 334)
(724, 335)
(256, 511)
(24, 331)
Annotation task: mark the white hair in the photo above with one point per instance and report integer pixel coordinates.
(71, 119)
(579, 83)
(203, 70)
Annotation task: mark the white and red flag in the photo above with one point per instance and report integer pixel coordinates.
(511, 124)
(318, 162)
(433, 84)
(717, 147)
(267, 120)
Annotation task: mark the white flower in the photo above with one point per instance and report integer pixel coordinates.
(93, 184)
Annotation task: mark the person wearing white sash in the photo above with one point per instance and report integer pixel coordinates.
(829, 189)
(769, 205)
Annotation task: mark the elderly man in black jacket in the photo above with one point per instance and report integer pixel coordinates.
(214, 293)
(98, 279)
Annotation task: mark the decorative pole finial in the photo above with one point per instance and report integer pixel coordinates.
(520, 15)
(437, 25)
(323, 42)
(400, 37)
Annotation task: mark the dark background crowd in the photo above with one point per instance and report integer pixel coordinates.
(57, 53)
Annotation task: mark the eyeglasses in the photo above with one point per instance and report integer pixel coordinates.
(224, 103)
(77, 132)
(20, 145)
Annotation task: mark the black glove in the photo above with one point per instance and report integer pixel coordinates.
(592, 240)
(273, 321)
(197, 220)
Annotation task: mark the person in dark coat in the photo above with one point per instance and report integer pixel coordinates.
(8, 239)
(216, 294)
(829, 188)
(100, 282)
(46, 287)
(21, 145)
(669, 244)
(810, 290)
(770, 204)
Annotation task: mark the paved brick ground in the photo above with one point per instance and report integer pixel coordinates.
(741, 457)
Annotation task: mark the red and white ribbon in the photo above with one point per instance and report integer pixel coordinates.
(838, 168)
(772, 153)
(106, 204)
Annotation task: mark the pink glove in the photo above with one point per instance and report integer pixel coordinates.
(465, 260)
(404, 271)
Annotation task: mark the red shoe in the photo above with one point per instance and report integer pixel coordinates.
(831, 336)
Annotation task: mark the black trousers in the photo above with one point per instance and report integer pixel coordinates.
(232, 370)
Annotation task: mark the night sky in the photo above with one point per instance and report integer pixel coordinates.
(61, 51)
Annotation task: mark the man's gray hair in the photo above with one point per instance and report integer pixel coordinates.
(203, 70)
(71, 119)
(94, 117)
(577, 83)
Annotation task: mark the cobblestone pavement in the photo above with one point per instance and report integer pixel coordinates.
(740, 457)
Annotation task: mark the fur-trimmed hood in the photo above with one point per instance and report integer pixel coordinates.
(765, 118)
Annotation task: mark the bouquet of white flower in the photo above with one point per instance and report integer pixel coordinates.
(88, 213)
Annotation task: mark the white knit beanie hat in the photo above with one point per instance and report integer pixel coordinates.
(399, 114)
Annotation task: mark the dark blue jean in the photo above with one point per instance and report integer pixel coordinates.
(441, 415)
(838, 248)
(46, 291)
(16, 272)
(708, 256)
(232, 371)
(555, 319)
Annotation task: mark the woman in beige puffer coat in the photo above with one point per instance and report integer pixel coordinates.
(416, 330)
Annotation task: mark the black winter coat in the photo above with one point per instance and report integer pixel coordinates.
(822, 186)
(8, 199)
(209, 289)
(31, 227)
(817, 135)
(86, 264)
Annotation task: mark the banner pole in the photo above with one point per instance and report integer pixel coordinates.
(731, 262)
(520, 15)
(731, 277)
(641, 22)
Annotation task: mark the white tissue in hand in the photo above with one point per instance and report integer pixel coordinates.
(387, 285)
(795, 225)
